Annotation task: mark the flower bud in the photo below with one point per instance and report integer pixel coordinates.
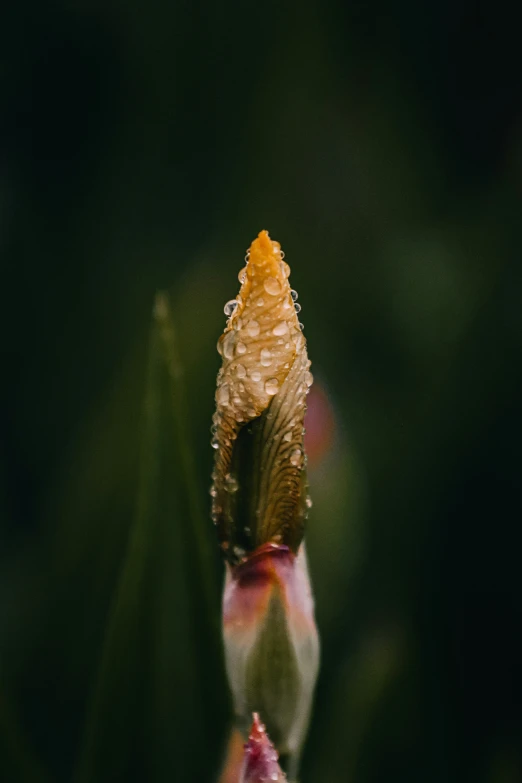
(271, 642)
(259, 486)
(260, 760)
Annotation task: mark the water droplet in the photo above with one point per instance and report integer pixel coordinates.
(213, 491)
(308, 502)
(219, 346)
(288, 436)
(251, 413)
(241, 348)
(223, 394)
(295, 457)
(274, 776)
(231, 484)
(247, 257)
(242, 275)
(287, 346)
(280, 329)
(282, 253)
(230, 307)
(214, 443)
(297, 307)
(301, 326)
(299, 340)
(287, 305)
(255, 375)
(228, 345)
(260, 302)
(272, 286)
(266, 357)
(294, 295)
(240, 371)
(253, 328)
(272, 386)
(239, 551)
(285, 269)
(309, 378)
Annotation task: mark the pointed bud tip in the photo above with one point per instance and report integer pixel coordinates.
(261, 761)
(264, 252)
(257, 730)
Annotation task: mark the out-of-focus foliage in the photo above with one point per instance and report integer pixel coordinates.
(143, 147)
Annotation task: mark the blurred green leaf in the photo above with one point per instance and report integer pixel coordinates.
(148, 694)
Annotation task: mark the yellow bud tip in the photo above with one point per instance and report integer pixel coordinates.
(265, 253)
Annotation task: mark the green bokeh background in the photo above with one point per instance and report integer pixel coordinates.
(143, 146)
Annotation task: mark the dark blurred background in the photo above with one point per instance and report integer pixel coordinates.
(143, 146)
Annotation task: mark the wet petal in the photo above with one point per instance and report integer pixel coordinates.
(260, 407)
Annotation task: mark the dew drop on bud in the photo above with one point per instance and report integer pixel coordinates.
(309, 378)
(294, 295)
(297, 307)
(260, 302)
(228, 345)
(285, 269)
(266, 357)
(231, 484)
(280, 329)
(230, 307)
(240, 371)
(253, 328)
(223, 394)
(272, 386)
(242, 275)
(241, 348)
(288, 436)
(272, 286)
(295, 457)
(255, 375)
